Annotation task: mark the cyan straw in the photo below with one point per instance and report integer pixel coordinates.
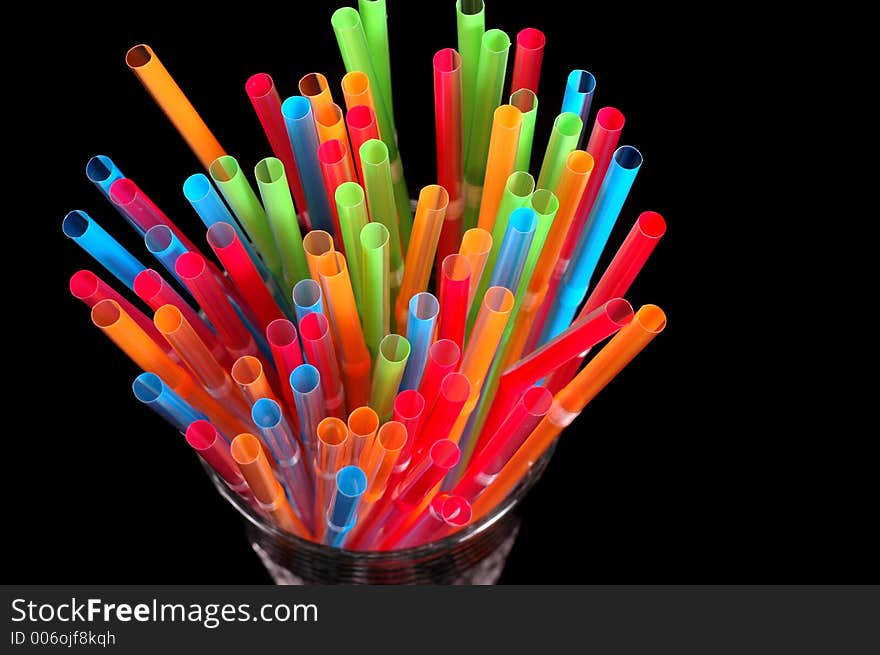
(305, 381)
(164, 245)
(579, 96)
(351, 483)
(612, 194)
(300, 121)
(422, 319)
(92, 238)
(158, 396)
(102, 172)
(307, 299)
(514, 248)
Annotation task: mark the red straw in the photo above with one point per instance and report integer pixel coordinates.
(362, 127)
(443, 358)
(409, 409)
(527, 60)
(317, 342)
(267, 103)
(284, 344)
(455, 281)
(336, 168)
(207, 442)
(143, 212)
(454, 392)
(448, 128)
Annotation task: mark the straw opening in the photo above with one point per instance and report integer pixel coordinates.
(349, 194)
(496, 41)
(569, 124)
(374, 152)
(652, 225)
(168, 319)
(312, 84)
(269, 170)
(245, 449)
(351, 481)
(424, 306)
(259, 85)
(524, 99)
(332, 151)
(317, 243)
(328, 115)
(314, 327)
(445, 352)
(159, 238)
(306, 293)
(583, 80)
(147, 387)
(508, 117)
(201, 435)
(355, 83)
(433, 197)
(521, 184)
(651, 319)
(75, 224)
(531, 38)
(266, 413)
(123, 191)
(345, 18)
(537, 400)
(281, 333)
(374, 236)
(610, 119)
(83, 284)
(619, 311)
(477, 241)
(246, 370)
(138, 56)
(196, 187)
(363, 421)
(409, 404)
(579, 162)
(221, 235)
(545, 201)
(224, 168)
(523, 220)
(498, 299)
(394, 348)
(447, 60)
(456, 267)
(98, 168)
(392, 435)
(106, 313)
(628, 157)
(296, 108)
(455, 387)
(332, 431)
(147, 283)
(470, 7)
(305, 378)
(456, 511)
(360, 117)
(445, 454)
(189, 265)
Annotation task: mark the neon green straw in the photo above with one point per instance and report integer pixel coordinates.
(272, 183)
(471, 21)
(487, 97)
(527, 102)
(563, 139)
(374, 17)
(376, 310)
(393, 353)
(352, 208)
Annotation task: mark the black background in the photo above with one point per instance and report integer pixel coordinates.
(661, 479)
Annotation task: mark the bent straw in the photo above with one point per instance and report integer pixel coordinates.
(380, 200)
(272, 183)
(375, 21)
(454, 391)
(374, 275)
(283, 341)
(615, 188)
(563, 140)
(514, 248)
(578, 97)
(155, 394)
(362, 127)
(357, 92)
(264, 97)
(250, 376)
(158, 82)
(205, 440)
(307, 299)
(390, 362)
(471, 25)
(333, 450)
(102, 172)
(351, 207)
(314, 87)
(430, 214)
(341, 517)
(318, 346)
(501, 162)
(305, 381)
(91, 237)
(450, 157)
(423, 311)
(330, 124)
(527, 102)
(300, 121)
(476, 245)
(443, 358)
(336, 169)
(316, 244)
(455, 283)
(363, 424)
(248, 454)
(647, 323)
(165, 247)
(527, 60)
(348, 336)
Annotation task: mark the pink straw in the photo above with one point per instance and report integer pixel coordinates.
(362, 127)
(455, 280)
(527, 60)
(203, 437)
(317, 342)
(336, 168)
(284, 344)
(443, 358)
(454, 392)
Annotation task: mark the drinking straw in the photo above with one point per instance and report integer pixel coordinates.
(330, 123)
(336, 169)
(165, 247)
(141, 212)
(102, 172)
(208, 293)
(487, 96)
(247, 452)
(445, 515)
(571, 185)
(351, 483)
(578, 96)
(443, 358)
(283, 341)
(357, 92)
(207, 442)
(563, 139)
(351, 208)
(454, 392)
(527, 102)
(455, 282)
(307, 298)
(314, 87)
(155, 394)
(429, 220)
(319, 350)
(158, 82)
(501, 162)
(375, 21)
(568, 403)
(410, 412)
(231, 253)
(280, 212)
(374, 274)
(527, 60)
(348, 336)
(305, 381)
(380, 200)
(363, 424)
(450, 158)
(251, 377)
(300, 121)
(264, 97)
(471, 23)
(333, 453)
(531, 406)
(390, 362)
(230, 179)
(514, 248)
(296, 476)
(583, 334)
(362, 127)
(316, 244)
(423, 311)
(92, 238)
(615, 188)
(476, 244)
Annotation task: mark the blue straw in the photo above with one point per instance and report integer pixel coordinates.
(307, 299)
(305, 381)
(423, 311)
(579, 96)
(92, 238)
(102, 172)
(158, 396)
(351, 483)
(166, 247)
(514, 249)
(609, 201)
(300, 121)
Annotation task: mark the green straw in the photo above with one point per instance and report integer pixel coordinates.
(471, 21)
(376, 310)
(352, 208)
(487, 97)
(374, 17)
(527, 102)
(393, 353)
(563, 139)
(230, 179)
(272, 183)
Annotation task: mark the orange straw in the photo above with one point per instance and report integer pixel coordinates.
(363, 423)
(476, 244)
(501, 161)
(357, 91)
(249, 375)
(332, 452)
(314, 87)
(316, 243)
(330, 123)
(158, 82)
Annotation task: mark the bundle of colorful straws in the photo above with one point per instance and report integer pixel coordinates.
(280, 365)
